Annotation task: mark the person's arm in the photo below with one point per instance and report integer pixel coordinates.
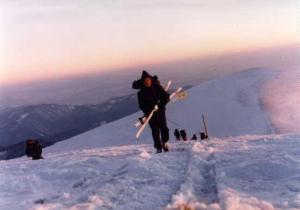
(137, 84)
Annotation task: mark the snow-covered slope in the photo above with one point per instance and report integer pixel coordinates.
(281, 99)
(231, 106)
(106, 169)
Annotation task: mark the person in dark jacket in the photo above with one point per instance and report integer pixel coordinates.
(151, 93)
(177, 134)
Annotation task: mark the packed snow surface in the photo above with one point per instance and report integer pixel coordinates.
(246, 172)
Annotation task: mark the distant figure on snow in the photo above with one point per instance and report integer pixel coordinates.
(203, 136)
(194, 137)
(183, 135)
(177, 134)
(151, 93)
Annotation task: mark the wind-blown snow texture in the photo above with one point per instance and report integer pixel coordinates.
(246, 167)
(281, 99)
(247, 172)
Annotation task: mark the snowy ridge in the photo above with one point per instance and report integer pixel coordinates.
(281, 99)
(231, 105)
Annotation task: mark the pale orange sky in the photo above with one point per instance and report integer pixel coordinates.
(51, 38)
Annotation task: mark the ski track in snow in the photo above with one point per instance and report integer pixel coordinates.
(199, 189)
(128, 177)
(245, 172)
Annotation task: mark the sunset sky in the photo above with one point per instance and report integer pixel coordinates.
(57, 38)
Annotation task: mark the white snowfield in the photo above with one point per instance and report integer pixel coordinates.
(245, 165)
(247, 172)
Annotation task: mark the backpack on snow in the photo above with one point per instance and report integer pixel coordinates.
(34, 149)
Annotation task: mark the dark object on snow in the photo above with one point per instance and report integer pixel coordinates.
(148, 97)
(29, 147)
(205, 127)
(34, 149)
(183, 135)
(203, 135)
(177, 134)
(194, 137)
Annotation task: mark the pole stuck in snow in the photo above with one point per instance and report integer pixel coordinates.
(205, 127)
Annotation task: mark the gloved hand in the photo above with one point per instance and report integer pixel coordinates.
(161, 104)
(141, 119)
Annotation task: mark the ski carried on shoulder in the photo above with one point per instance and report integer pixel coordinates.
(172, 98)
(175, 94)
(179, 96)
(145, 120)
(168, 85)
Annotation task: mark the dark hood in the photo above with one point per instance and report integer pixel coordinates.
(138, 84)
(145, 75)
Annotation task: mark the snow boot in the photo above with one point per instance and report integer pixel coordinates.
(159, 151)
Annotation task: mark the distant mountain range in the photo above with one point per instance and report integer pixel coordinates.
(51, 123)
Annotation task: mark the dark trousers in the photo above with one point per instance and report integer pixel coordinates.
(160, 130)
